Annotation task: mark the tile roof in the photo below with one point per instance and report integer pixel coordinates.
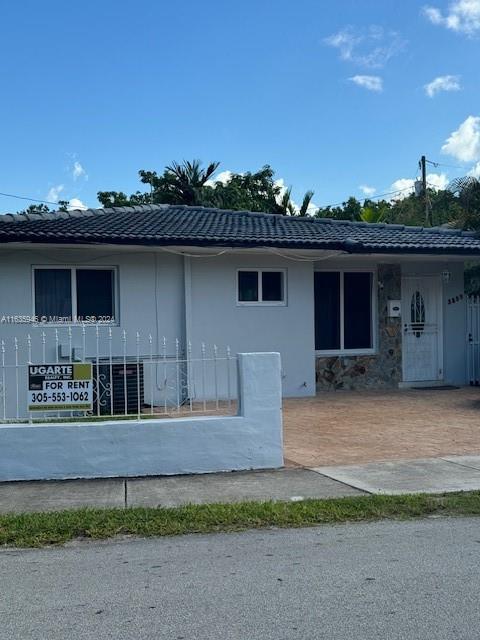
(164, 225)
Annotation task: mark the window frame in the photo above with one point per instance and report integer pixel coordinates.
(260, 302)
(73, 280)
(373, 350)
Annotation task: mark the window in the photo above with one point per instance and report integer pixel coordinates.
(261, 286)
(343, 311)
(74, 294)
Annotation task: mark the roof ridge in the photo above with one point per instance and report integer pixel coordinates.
(78, 213)
(101, 211)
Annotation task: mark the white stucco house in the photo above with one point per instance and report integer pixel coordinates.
(347, 305)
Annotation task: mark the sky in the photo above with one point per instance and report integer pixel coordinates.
(339, 97)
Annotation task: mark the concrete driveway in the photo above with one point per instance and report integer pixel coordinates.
(358, 427)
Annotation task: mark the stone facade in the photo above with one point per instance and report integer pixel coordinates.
(382, 370)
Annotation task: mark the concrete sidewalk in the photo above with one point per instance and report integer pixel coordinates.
(170, 491)
(429, 475)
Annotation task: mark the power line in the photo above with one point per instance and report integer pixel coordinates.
(380, 195)
(12, 195)
(442, 164)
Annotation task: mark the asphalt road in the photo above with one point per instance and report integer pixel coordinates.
(388, 580)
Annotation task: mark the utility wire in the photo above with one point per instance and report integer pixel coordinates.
(442, 164)
(337, 204)
(11, 195)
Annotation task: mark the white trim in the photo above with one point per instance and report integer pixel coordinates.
(73, 287)
(373, 350)
(260, 302)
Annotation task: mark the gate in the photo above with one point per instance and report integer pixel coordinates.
(473, 340)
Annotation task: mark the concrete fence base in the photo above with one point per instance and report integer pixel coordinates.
(250, 440)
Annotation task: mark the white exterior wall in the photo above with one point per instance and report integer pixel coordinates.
(149, 296)
(146, 303)
(194, 299)
(215, 316)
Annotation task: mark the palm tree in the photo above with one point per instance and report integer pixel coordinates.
(288, 208)
(467, 191)
(369, 214)
(187, 180)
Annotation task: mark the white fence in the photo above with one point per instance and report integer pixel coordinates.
(132, 374)
(473, 340)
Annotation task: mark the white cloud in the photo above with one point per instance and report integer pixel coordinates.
(406, 186)
(442, 83)
(366, 190)
(75, 203)
(437, 181)
(372, 83)
(78, 171)
(464, 143)
(224, 177)
(463, 16)
(475, 171)
(371, 47)
(54, 193)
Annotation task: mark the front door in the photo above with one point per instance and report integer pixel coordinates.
(422, 329)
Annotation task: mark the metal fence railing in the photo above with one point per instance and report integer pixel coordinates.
(473, 340)
(128, 374)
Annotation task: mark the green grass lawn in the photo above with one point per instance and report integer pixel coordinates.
(39, 529)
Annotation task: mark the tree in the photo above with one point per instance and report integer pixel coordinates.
(349, 210)
(372, 214)
(190, 184)
(289, 208)
(249, 192)
(43, 208)
(467, 192)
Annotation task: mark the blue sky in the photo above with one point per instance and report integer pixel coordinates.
(333, 95)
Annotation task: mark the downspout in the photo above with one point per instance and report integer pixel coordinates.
(187, 292)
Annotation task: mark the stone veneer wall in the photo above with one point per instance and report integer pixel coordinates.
(383, 370)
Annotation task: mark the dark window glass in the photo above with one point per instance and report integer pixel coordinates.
(327, 310)
(357, 310)
(272, 286)
(53, 293)
(95, 293)
(248, 286)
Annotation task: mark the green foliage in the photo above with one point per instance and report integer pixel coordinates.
(43, 208)
(467, 192)
(189, 184)
(249, 192)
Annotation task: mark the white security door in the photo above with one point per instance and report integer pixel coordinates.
(422, 328)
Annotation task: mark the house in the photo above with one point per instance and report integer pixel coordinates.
(347, 305)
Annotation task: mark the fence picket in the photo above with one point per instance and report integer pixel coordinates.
(473, 340)
(181, 382)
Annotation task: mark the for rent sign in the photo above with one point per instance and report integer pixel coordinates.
(60, 387)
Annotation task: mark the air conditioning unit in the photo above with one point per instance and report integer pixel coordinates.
(120, 386)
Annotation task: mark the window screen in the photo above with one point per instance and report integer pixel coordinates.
(95, 294)
(272, 286)
(357, 291)
(53, 294)
(327, 310)
(248, 286)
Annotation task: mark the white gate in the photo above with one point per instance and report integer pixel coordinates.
(473, 340)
